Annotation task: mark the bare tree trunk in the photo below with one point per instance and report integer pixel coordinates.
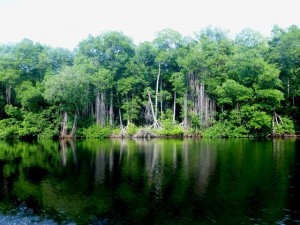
(156, 92)
(64, 125)
(155, 123)
(161, 97)
(206, 111)
(73, 131)
(174, 107)
(102, 109)
(122, 128)
(98, 108)
(185, 109)
(111, 111)
(120, 115)
(127, 112)
(273, 124)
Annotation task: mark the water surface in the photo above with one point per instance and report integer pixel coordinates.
(150, 182)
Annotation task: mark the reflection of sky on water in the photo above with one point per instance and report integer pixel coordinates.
(24, 216)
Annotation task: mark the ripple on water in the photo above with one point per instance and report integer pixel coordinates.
(23, 216)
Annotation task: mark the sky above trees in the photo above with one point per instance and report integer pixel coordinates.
(64, 23)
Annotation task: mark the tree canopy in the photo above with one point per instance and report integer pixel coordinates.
(209, 84)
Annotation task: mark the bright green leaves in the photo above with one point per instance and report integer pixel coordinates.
(269, 99)
(30, 96)
(269, 78)
(68, 89)
(232, 93)
(260, 123)
(236, 84)
(131, 107)
(102, 80)
(285, 52)
(111, 50)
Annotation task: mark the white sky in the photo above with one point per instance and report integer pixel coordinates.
(64, 23)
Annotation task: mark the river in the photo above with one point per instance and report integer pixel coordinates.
(205, 181)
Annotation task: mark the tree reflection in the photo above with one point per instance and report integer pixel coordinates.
(64, 143)
(148, 181)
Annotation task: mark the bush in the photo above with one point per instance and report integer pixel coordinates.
(9, 128)
(170, 129)
(286, 127)
(96, 131)
(131, 129)
(225, 130)
(175, 131)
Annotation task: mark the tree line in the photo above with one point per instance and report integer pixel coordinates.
(209, 84)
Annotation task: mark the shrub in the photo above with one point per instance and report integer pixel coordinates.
(131, 129)
(96, 131)
(225, 130)
(286, 127)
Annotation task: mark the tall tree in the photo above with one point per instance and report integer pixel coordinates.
(68, 90)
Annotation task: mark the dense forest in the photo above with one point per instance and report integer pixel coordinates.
(210, 85)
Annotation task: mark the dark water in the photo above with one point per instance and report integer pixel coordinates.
(150, 182)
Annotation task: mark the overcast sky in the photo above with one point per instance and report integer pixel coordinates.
(64, 23)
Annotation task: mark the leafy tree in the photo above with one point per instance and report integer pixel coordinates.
(30, 96)
(68, 90)
(232, 93)
(9, 72)
(240, 87)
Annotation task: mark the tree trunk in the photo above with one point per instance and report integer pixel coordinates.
(156, 92)
(127, 112)
(111, 111)
(185, 109)
(161, 97)
(174, 107)
(102, 109)
(120, 115)
(155, 123)
(97, 108)
(73, 131)
(122, 128)
(64, 125)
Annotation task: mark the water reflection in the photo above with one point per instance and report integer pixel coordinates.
(151, 182)
(64, 147)
(100, 166)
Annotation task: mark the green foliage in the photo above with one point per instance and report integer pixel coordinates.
(260, 123)
(131, 109)
(231, 93)
(131, 129)
(169, 127)
(9, 128)
(30, 96)
(68, 89)
(25, 124)
(96, 131)
(175, 131)
(13, 111)
(225, 129)
(195, 120)
(269, 99)
(232, 85)
(286, 127)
